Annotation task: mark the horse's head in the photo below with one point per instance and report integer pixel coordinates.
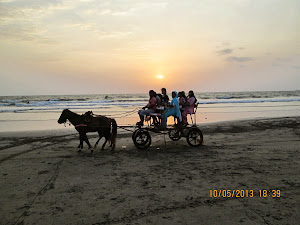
(64, 116)
(88, 116)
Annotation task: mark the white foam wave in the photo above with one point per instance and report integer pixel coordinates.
(224, 101)
(20, 106)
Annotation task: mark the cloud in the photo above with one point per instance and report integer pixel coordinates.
(48, 21)
(276, 64)
(21, 20)
(239, 59)
(25, 32)
(283, 60)
(296, 67)
(30, 3)
(225, 43)
(225, 51)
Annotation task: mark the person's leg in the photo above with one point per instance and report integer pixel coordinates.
(143, 113)
(164, 119)
(147, 112)
(180, 119)
(184, 117)
(165, 116)
(154, 119)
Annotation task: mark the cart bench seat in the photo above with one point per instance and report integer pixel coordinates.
(155, 114)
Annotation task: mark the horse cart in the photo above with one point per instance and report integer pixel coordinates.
(107, 127)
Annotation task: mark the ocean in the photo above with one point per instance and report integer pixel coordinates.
(21, 113)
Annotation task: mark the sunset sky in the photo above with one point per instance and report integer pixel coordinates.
(121, 46)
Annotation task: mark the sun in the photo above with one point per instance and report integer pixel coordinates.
(160, 76)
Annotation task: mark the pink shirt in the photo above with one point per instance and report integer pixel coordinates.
(181, 100)
(190, 108)
(152, 102)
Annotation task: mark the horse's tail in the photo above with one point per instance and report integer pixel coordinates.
(113, 133)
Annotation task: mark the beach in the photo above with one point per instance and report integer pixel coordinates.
(44, 180)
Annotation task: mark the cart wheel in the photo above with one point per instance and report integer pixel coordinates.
(142, 139)
(175, 135)
(194, 137)
(133, 134)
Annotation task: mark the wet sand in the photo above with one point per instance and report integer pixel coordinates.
(44, 180)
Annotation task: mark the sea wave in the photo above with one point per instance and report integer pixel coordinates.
(92, 104)
(143, 97)
(48, 108)
(225, 101)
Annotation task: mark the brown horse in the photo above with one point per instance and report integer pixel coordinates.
(105, 127)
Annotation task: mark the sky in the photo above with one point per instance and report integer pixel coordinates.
(120, 46)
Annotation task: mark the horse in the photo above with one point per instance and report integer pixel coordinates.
(106, 127)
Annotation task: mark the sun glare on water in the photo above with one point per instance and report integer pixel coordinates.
(160, 76)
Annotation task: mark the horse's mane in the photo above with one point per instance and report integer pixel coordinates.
(68, 110)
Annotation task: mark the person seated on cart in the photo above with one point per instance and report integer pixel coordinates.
(165, 97)
(158, 99)
(189, 107)
(151, 108)
(158, 103)
(161, 102)
(182, 100)
(172, 110)
(157, 96)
